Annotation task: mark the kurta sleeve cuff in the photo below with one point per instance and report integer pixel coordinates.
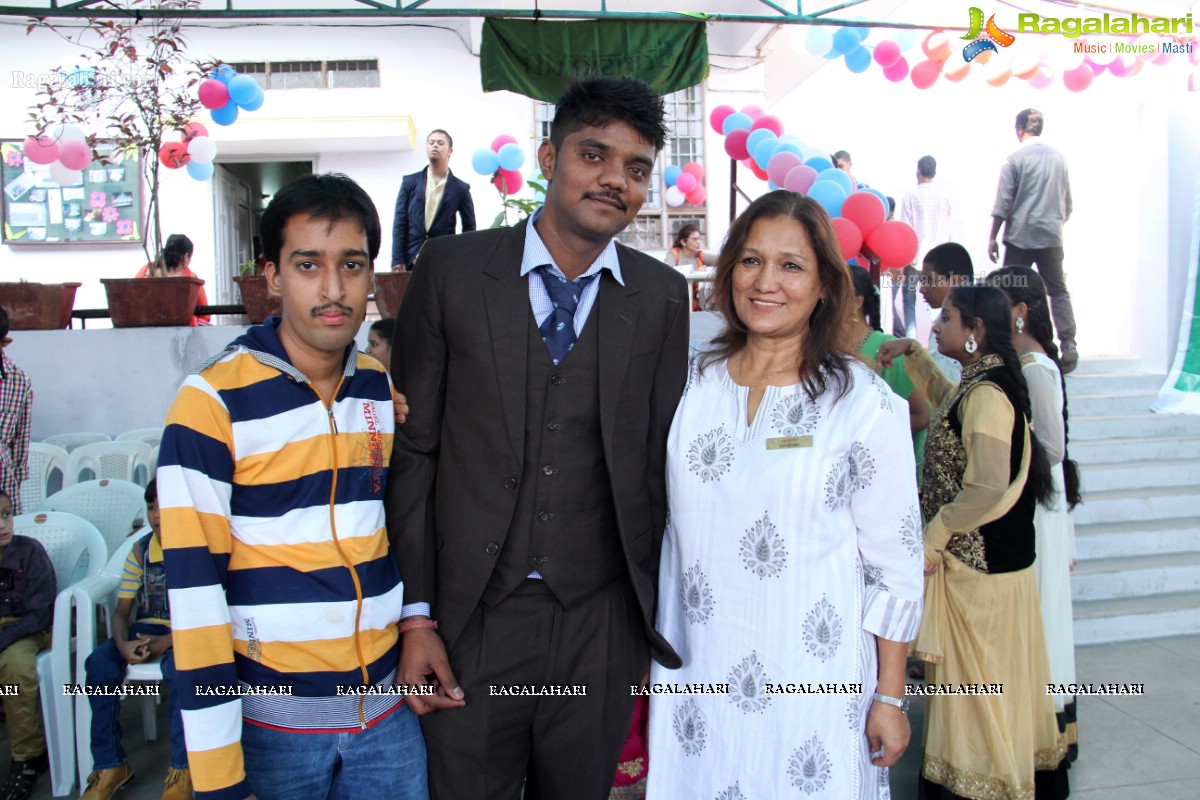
(414, 610)
(890, 617)
(927, 376)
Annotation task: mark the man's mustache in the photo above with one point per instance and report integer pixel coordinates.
(316, 312)
(616, 198)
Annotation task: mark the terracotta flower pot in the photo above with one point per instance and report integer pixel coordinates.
(38, 306)
(389, 291)
(257, 298)
(152, 302)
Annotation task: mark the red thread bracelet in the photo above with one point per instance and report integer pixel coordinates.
(413, 624)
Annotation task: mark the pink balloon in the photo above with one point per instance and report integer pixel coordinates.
(773, 124)
(686, 182)
(40, 149)
(735, 144)
(502, 140)
(697, 196)
(800, 179)
(213, 94)
(898, 71)
(779, 166)
(193, 130)
(849, 237)
(74, 155)
(508, 181)
(752, 111)
(866, 211)
(925, 75)
(717, 116)
(1042, 78)
(887, 53)
(695, 169)
(1079, 78)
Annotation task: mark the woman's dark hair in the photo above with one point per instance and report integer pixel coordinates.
(385, 328)
(175, 249)
(1024, 285)
(989, 307)
(865, 288)
(331, 196)
(684, 233)
(823, 358)
(602, 101)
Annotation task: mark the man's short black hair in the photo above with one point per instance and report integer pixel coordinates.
(927, 166)
(151, 493)
(330, 196)
(839, 155)
(3, 323)
(442, 131)
(1031, 121)
(951, 259)
(601, 101)
(175, 249)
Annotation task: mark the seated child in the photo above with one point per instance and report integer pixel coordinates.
(142, 601)
(27, 591)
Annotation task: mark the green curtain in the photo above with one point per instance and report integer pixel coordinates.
(1180, 393)
(538, 58)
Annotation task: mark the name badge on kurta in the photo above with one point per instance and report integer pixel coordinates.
(789, 442)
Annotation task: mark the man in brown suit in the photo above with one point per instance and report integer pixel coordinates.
(527, 501)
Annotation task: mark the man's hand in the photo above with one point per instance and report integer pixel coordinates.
(887, 733)
(994, 251)
(422, 653)
(134, 652)
(155, 646)
(397, 268)
(399, 407)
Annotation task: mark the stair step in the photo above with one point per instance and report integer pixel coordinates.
(1133, 426)
(1140, 474)
(1104, 383)
(1101, 621)
(1111, 578)
(1127, 505)
(1110, 404)
(1150, 448)
(1102, 365)
(1105, 540)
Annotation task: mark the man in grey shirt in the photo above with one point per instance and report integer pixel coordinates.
(1034, 199)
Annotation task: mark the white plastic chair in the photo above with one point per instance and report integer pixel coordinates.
(149, 436)
(96, 597)
(47, 469)
(70, 541)
(69, 441)
(119, 460)
(114, 507)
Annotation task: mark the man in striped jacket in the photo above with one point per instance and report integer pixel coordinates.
(285, 600)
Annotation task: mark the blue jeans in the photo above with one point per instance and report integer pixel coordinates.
(106, 667)
(384, 762)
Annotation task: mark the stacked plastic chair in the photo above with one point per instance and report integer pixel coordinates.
(47, 471)
(69, 441)
(126, 461)
(115, 507)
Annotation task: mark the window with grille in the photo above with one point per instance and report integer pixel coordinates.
(358, 74)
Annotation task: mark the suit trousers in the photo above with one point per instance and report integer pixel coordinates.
(1049, 263)
(513, 733)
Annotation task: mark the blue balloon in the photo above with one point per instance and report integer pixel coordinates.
(858, 60)
(762, 154)
(839, 177)
(819, 163)
(819, 41)
(791, 138)
(672, 173)
(484, 161)
(256, 102)
(200, 170)
(863, 32)
(791, 147)
(845, 40)
(737, 121)
(225, 115)
(510, 156)
(829, 195)
(756, 137)
(242, 89)
(906, 38)
(223, 73)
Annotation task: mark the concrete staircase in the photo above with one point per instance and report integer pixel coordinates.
(1138, 529)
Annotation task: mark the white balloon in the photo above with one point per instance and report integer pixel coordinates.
(202, 149)
(675, 197)
(68, 132)
(64, 176)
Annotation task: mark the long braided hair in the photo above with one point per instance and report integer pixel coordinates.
(865, 288)
(990, 307)
(1024, 285)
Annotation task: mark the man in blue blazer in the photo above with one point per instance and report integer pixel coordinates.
(428, 202)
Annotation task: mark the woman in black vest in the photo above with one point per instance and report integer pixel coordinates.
(995, 735)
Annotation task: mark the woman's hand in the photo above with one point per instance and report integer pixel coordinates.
(933, 560)
(887, 734)
(894, 348)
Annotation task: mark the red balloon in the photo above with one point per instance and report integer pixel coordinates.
(865, 210)
(735, 144)
(1078, 79)
(926, 74)
(192, 130)
(717, 117)
(849, 237)
(887, 53)
(502, 140)
(895, 243)
(508, 181)
(40, 149)
(213, 94)
(174, 155)
(695, 169)
(773, 124)
(758, 171)
(697, 196)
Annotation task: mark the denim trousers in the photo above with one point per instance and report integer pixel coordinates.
(106, 667)
(383, 762)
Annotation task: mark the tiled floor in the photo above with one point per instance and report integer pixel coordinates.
(1131, 748)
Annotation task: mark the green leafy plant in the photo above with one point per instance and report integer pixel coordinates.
(523, 207)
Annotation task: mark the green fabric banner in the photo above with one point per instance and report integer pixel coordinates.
(538, 58)
(1180, 393)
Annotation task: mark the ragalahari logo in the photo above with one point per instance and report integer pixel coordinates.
(984, 37)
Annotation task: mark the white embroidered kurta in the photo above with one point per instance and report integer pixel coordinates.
(779, 567)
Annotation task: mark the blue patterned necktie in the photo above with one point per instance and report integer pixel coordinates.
(558, 329)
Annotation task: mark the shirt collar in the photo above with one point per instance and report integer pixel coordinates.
(536, 254)
(156, 552)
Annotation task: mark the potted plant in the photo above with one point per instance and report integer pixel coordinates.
(38, 306)
(136, 90)
(257, 298)
(389, 291)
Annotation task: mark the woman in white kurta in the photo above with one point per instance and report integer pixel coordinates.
(791, 566)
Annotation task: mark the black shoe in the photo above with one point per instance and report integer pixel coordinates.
(1069, 358)
(23, 777)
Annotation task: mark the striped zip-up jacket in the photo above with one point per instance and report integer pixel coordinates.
(280, 579)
